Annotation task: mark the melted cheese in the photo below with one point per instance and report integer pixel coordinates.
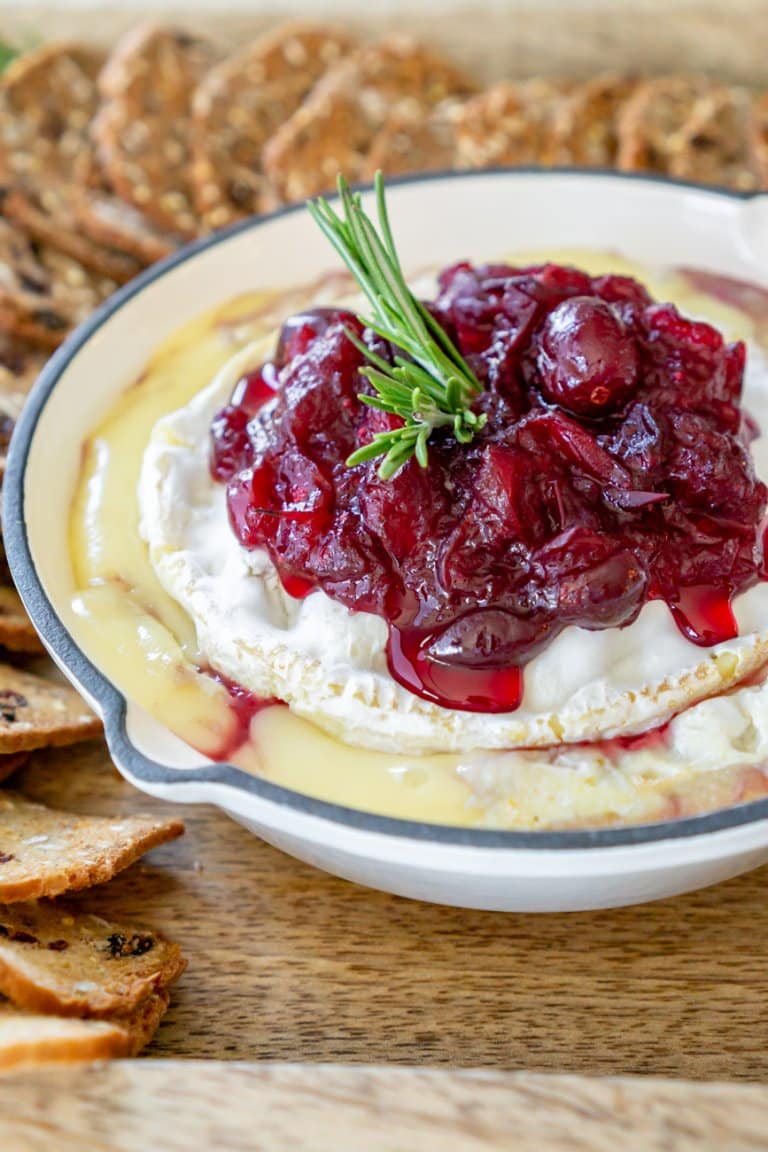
(147, 644)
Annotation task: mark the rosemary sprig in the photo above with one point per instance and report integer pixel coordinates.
(7, 53)
(430, 385)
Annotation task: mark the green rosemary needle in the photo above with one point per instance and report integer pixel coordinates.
(430, 385)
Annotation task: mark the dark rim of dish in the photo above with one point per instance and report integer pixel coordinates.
(114, 705)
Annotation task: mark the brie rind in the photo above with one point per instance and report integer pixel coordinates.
(329, 664)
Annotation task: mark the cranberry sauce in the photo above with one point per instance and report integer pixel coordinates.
(614, 468)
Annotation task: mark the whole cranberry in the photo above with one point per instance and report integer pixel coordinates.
(298, 331)
(587, 359)
(254, 389)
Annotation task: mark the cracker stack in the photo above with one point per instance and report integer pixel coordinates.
(74, 986)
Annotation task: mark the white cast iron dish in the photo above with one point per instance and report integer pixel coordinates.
(436, 220)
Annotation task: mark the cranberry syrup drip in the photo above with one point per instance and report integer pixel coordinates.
(243, 706)
(614, 469)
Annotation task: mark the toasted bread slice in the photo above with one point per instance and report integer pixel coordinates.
(29, 1040)
(44, 852)
(60, 960)
(38, 713)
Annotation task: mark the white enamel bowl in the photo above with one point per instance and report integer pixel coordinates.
(436, 220)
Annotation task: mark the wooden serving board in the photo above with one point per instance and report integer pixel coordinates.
(210, 1107)
(286, 963)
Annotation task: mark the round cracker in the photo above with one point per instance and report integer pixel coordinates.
(717, 143)
(333, 130)
(649, 123)
(47, 99)
(510, 123)
(143, 128)
(241, 103)
(416, 143)
(585, 128)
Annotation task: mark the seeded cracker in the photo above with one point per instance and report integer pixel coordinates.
(7, 425)
(335, 127)
(17, 632)
(20, 366)
(36, 713)
(426, 142)
(717, 142)
(108, 220)
(43, 292)
(28, 310)
(585, 127)
(509, 124)
(143, 128)
(241, 103)
(47, 99)
(650, 123)
(60, 960)
(760, 135)
(44, 852)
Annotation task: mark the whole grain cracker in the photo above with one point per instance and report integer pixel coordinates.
(20, 366)
(334, 128)
(109, 221)
(28, 311)
(585, 130)
(240, 104)
(45, 852)
(58, 959)
(717, 142)
(17, 632)
(43, 292)
(76, 290)
(649, 123)
(38, 713)
(47, 99)
(12, 763)
(760, 135)
(425, 142)
(7, 425)
(143, 128)
(510, 123)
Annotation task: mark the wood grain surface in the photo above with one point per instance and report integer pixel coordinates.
(181, 1107)
(286, 963)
